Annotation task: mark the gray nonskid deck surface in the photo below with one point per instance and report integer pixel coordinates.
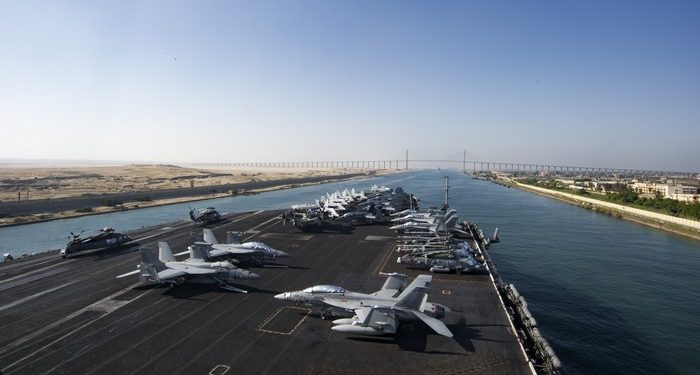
(89, 322)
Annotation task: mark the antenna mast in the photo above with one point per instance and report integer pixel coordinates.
(447, 191)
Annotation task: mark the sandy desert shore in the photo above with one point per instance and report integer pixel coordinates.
(35, 183)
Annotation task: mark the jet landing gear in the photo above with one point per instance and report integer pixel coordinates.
(326, 314)
(332, 314)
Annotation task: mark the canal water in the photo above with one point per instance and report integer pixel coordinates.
(611, 296)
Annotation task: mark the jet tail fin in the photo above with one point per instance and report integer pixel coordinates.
(233, 238)
(199, 252)
(148, 268)
(148, 257)
(148, 272)
(209, 237)
(164, 252)
(196, 237)
(395, 281)
(412, 297)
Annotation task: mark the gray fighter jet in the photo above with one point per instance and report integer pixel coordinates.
(377, 313)
(256, 252)
(167, 270)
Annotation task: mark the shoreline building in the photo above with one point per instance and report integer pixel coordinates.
(678, 192)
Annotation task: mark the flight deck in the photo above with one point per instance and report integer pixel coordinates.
(70, 316)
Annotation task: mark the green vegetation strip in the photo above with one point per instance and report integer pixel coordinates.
(625, 196)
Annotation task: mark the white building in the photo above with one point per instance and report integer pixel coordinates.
(679, 192)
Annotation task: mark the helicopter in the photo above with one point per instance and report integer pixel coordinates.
(104, 238)
(204, 215)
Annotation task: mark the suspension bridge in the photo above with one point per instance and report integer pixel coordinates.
(409, 161)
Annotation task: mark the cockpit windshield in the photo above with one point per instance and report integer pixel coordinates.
(324, 289)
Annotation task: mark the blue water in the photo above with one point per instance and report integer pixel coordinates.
(611, 296)
(26, 239)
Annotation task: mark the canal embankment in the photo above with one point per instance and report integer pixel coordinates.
(40, 210)
(678, 225)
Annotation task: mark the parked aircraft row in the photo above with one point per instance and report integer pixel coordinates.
(429, 240)
(209, 262)
(452, 257)
(196, 269)
(350, 208)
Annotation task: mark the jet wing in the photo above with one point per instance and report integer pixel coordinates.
(342, 303)
(363, 313)
(183, 269)
(170, 274)
(437, 325)
(381, 318)
(386, 293)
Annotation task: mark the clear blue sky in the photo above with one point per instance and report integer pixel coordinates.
(597, 83)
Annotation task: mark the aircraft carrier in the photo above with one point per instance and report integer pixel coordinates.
(73, 316)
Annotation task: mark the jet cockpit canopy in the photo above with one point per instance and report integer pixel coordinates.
(324, 289)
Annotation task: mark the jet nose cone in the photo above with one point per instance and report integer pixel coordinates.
(282, 296)
(281, 254)
(252, 276)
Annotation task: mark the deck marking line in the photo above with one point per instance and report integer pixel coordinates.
(76, 329)
(269, 318)
(29, 298)
(380, 266)
(216, 371)
(30, 279)
(36, 271)
(65, 319)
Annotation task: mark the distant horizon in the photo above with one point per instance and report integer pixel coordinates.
(50, 163)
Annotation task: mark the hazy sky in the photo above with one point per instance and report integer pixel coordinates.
(593, 83)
